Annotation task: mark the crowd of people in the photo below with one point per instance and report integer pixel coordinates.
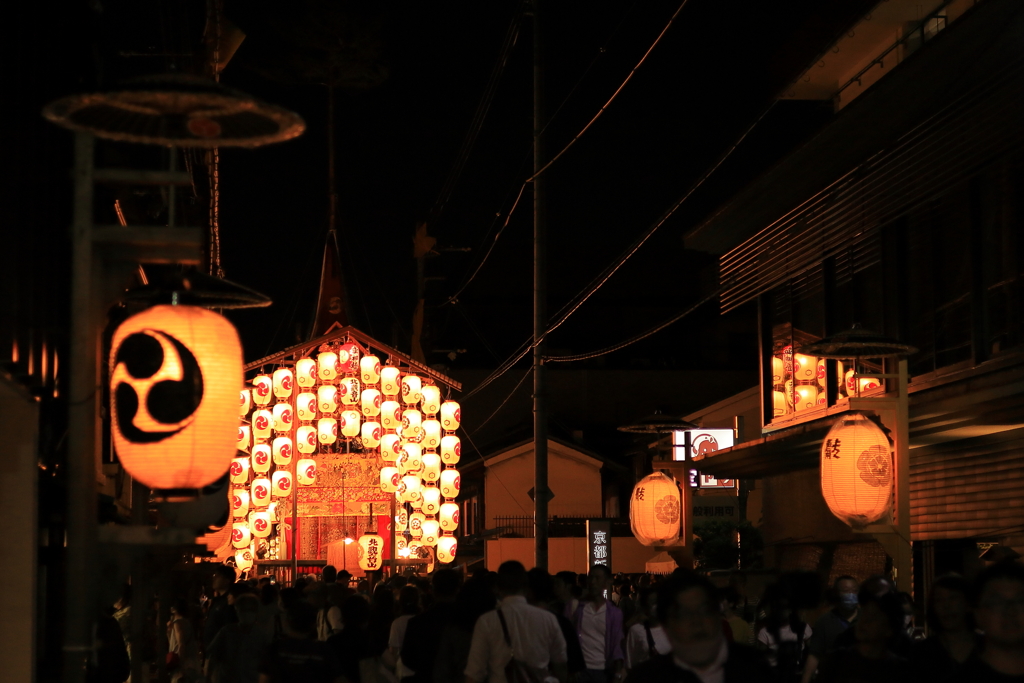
(530, 627)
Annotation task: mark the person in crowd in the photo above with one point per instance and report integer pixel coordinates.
(219, 612)
(870, 659)
(691, 615)
(408, 607)
(352, 643)
(110, 663)
(423, 634)
(626, 603)
(541, 593)
(828, 627)
(532, 634)
(235, 651)
(363, 590)
(182, 647)
(476, 597)
(315, 594)
(952, 639)
(382, 613)
(646, 638)
(565, 592)
(998, 598)
(298, 656)
(269, 609)
(329, 574)
(599, 625)
(783, 636)
(899, 642)
(909, 617)
(739, 627)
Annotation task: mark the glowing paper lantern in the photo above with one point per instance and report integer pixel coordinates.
(389, 383)
(431, 532)
(327, 366)
(176, 373)
(327, 398)
(283, 451)
(239, 471)
(305, 406)
(413, 460)
(431, 467)
(371, 552)
(281, 484)
(306, 470)
(451, 482)
(411, 386)
(327, 430)
(451, 416)
(370, 402)
(431, 434)
(389, 414)
(446, 547)
(282, 417)
(349, 391)
(402, 543)
(369, 369)
(401, 521)
(778, 371)
(284, 382)
(261, 458)
(449, 516)
(780, 406)
(305, 373)
(389, 479)
(244, 402)
(416, 520)
(239, 503)
(805, 368)
(371, 434)
(865, 383)
(259, 492)
(259, 523)
(262, 421)
(390, 447)
(415, 500)
(244, 438)
(412, 425)
(431, 500)
(857, 471)
(241, 535)
(451, 449)
(411, 484)
(348, 358)
(243, 560)
(305, 439)
(262, 385)
(806, 396)
(430, 399)
(655, 510)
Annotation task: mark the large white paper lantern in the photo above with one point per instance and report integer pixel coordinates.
(259, 523)
(306, 471)
(241, 535)
(259, 492)
(805, 368)
(371, 434)
(305, 406)
(431, 467)
(451, 416)
(327, 398)
(262, 388)
(451, 481)
(262, 422)
(413, 457)
(283, 417)
(806, 396)
(243, 560)
(261, 458)
(430, 399)
(431, 500)
(390, 415)
(431, 532)
(370, 402)
(431, 434)
(281, 484)
(244, 402)
(655, 510)
(389, 479)
(349, 423)
(389, 382)
(305, 439)
(369, 369)
(283, 451)
(411, 386)
(410, 485)
(284, 382)
(451, 449)
(412, 425)
(305, 373)
(390, 447)
(371, 552)
(857, 471)
(446, 547)
(239, 503)
(327, 366)
(449, 516)
(239, 471)
(327, 430)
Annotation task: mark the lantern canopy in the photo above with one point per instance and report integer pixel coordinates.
(259, 523)
(262, 421)
(857, 471)
(349, 390)
(411, 385)
(327, 430)
(282, 451)
(244, 402)
(655, 510)
(327, 366)
(176, 374)
(431, 532)
(327, 398)
(390, 447)
(371, 552)
(283, 417)
(349, 423)
(431, 467)
(243, 560)
(389, 479)
(305, 406)
(369, 369)
(451, 449)
(389, 414)
(244, 438)
(371, 434)
(431, 399)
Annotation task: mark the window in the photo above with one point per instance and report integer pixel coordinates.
(1001, 217)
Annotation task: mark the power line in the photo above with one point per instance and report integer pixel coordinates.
(506, 400)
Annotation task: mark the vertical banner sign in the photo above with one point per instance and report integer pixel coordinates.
(599, 542)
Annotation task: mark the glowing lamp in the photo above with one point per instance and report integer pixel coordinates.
(446, 546)
(389, 383)
(176, 373)
(370, 402)
(431, 532)
(327, 398)
(449, 516)
(349, 391)
(244, 402)
(413, 460)
(262, 421)
(411, 386)
(451, 449)
(805, 368)
(451, 416)
(243, 560)
(655, 510)
(259, 523)
(451, 482)
(327, 430)
(283, 417)
(305, 406)
(305, 439)
(261, 458)
(259, 492)
(806, 396)
(369, 369)
(371, 552)
(415, 500)
(779, 404)
(281, 484)
(390, 447)
(431, 467)
(389, 479)
(241, 535)
(401, 521)
(430, 399)
(416, 520)
(389, 414)
(239, 471)
(431, 434)
(239, 503)
(402, 543)
(861, 384)
(282, 451)
(371, 434)
(857, 471)
(327, 366)
(348, 358)
(244, 438)
(284, 382)
(262, 385)
(431, 500)
(306, 470)
(412, 425)
(412, 485)
(305, 373)
(778, 371)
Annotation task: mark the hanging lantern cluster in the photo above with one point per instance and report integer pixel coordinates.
(799, 381)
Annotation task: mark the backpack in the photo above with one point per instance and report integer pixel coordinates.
(517, 671)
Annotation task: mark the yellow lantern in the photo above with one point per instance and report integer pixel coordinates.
(655, 510)
(241, 536)
(261, 458)
(371, 552)
(305, 439)
(262, 386)
(327, 366)
(305, 373)
(861, 383)
(243, 560)
(371, 434)
(281, 484)
(416, 520)
(282, 451)
(411, 386)
(389, 479)
(262, 421)
(431, 532)
(176, 373)
(415, 500)
(806, 396)
(451, 416)
(371, 402)
(259, 492)
(390, 447)
(451, 449)
(389, 414)
(259, 523)
(348, 358)
(389, 383)
(414, 548)
(305, 406)
(857, 471)
(411, 484)
(349, 391)
(327, 398)
(349, 423)
(369, 369)
(244, 438)
(401, 543)
(431, 399)
(284, 381)
(780, 406)
(449, 516)
(282, 417)
(327, 430)
(431, 467)
(805, 368)
(239, 471)
(431, 500)
(450, 483)
(412, 425)
(401, 521)
(778, 371)
(245, 402)
(413, 460)
(446, 546)
(239, 503)
(431, 434)
(306, 471)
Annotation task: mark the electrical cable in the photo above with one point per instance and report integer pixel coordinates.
(501, 405)
(478, 452)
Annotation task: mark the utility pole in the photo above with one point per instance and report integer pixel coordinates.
(540, 411)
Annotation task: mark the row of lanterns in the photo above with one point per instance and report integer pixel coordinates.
(798, 382)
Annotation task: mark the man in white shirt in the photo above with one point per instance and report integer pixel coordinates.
(599, 625)
(536, 639)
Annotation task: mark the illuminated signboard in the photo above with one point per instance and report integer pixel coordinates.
(599, 542)
(702, 443)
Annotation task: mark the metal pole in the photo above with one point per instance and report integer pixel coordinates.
(82, 427)
(540, 315)
(295, 517)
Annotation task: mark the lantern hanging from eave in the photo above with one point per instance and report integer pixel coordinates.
(431, 532)
(243, 559)
(281, 484)
(371, 434)
(349, 423)
(305, 439)
(244, 402)
(369, 369)
(412, 425)
(262, 421)
(371, 552)
(239, 503)
(262, 386)
(449, 516)
(451, 416)
(305, 406)
(327, 430)
(284, 381)
(451, 449)
(261, 458)
(857, 471)
(239, 471)
(370, 402)
(411, 386)
(282, 451)
(241, 536)
(416, 520)
(305, 373)
(244, 442)
(431, 500)
(389, 382)
(446, 547)
(259, 492)
(327, 366)
(430, 399)
(655, 510)
(306, 470)
(283, 417)
(327, 398)
(259, 523)
(389, 479)
(431, 467)
(390, 447)
(350, 391)
(390, 414)
(348, 358)
(176, 373)
(450, 483)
